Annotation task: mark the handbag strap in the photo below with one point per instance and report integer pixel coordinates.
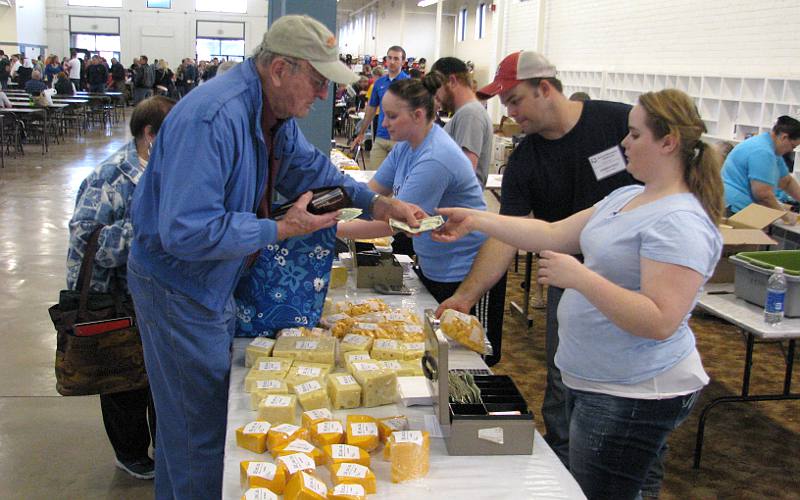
(85, 277)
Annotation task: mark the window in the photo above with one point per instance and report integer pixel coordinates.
(159, 4)
(107, 46)
(480, 21)
(235, 6)
(222, 48)
(95, 3)
(462, 25)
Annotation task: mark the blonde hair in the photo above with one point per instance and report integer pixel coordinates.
(672, 112)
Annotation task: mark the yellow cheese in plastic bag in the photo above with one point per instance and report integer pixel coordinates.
(362, 431)
(350, 473)
(255, 474)
(295, 463)
(409, 453)
(388, 425)
(327, 433)
(345, 453)
(253, 436)
(464, 329)
(305, 486)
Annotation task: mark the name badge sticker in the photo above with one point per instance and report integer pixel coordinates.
(607, 163)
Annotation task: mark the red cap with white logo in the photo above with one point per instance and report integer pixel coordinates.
(516, 67)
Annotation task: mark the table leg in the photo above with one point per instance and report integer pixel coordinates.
(787, 381)
(748, 365)
(527, 296)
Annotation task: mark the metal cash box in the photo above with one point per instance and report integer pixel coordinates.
(501, 424)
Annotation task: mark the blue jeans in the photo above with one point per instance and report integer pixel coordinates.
(614, 441)
(187, 352)
(554, 413)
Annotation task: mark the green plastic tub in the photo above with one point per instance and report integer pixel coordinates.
(753, 269)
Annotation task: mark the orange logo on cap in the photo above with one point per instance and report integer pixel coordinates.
(331, 42)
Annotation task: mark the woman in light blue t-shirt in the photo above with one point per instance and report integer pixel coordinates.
(427, 168)
(626, 352)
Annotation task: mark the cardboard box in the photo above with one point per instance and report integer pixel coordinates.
(744, 232)
(507, 127)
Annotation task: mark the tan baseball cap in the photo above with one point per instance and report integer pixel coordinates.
(306, 38)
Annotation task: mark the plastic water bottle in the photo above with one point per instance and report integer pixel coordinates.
(776, 295)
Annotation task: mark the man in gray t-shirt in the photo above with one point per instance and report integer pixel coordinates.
(470, 126)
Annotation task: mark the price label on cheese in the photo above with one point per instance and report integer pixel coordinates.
(336, 317)
(287, 429)
(263, 342)
(300, 445)
(306, 345)
(386, 344)
(355, 490)
(408, 437)
(307, 387)
(412, 328)
(260, 494)
(396, 423)
(366, 367)
(356, 358)
(319, 414)
(315, 485)
(257, 428)
(391, 364)
(346, 380)
(269, 366)
(309, 371)
(364, 429)
(261, 469)
(277, 400)
(354, 339)
(297, 462)
(395, 316)
(332, 427)
(415, 346)
(345, 451)
(366, 326)
(291, 332)
(268, 384)
(352, 470)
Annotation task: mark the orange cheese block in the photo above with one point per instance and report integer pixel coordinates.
(303, 446)
(327, 432)
(262, 475)
(345, 453)
(388, 425)
(311, 418)
(347, 473)
(259, 494)
(362, 431)
(304, 486)
(347, 492)
(253, 436)
(409, 452)
(281, 435)
(296, 462)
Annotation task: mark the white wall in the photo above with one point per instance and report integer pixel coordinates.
(479, 51)
(8, 29)
(160, 34)
(30, 28)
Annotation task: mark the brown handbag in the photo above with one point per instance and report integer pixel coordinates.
(96, 363)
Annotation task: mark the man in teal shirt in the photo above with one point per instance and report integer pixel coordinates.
(755, 169)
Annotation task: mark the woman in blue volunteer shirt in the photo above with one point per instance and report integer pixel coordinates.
(428, 168)
(626, 352)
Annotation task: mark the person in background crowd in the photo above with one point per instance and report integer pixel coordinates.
(470, 125)
(225, 66)
(74, 68)
(97, 75)
(143, 80)
(356, 94)
(190, 77)
(627, 354)
(164, 79)
(427, 168)
(15, 66)
(64, 85)
(39, 64)
(104, 200)
(4, 101)
(755, 168)
(5, 71)
(239, 145)
(381, 144)
(52, 69)
(24, 73)
(211, 70)
(117, 75)
(580, 96)
(35, 85)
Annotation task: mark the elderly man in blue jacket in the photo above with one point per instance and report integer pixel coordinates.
(202, 207)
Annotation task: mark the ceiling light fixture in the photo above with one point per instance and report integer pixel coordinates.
(426, 3)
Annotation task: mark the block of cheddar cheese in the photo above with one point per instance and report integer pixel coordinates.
(378, 387)
(311, 418)
(344, 391)
(388, 425)
(327, 433)
(350, 473)
(302, 446)
(295, 463)
(266, 368)
(312, 395)
(409, 453)
(314, 349)
(281, 435)
(259, 347)
(305, 486)
(347, 492)
(362, 431)
(345, 453)
(254, 474)
(259, 494)
(278, 408)
(253, 436)
(264, 388)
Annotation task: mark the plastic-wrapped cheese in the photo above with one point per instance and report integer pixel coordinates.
(388, 425)
(371, 330)
(347, 492)
(278, 408)
(378, 386)
(311, 418)
(266, 368)
(362, 431)
(281, 435)
(295, 464)
(289, 332)
(366, 306)
(344, 391)
(259, 347)
(314, 349)
(264, 388)
(315, 332)
(464, 329)
(302, 446)
(312, 395)
(345, 453)
(355, 357)
(253, 474)
(305, 486)
(355, 342)
(409, 452)
(259, 494)
(386, 349)
(253, 436)
(350, 473)
(413, 350)
(327, 433)
(339, 324)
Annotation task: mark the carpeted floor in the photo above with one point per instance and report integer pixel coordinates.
(751, 450)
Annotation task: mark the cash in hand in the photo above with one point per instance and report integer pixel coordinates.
(426, 224)
(348, 214)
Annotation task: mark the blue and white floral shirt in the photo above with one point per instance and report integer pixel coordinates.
(104, 198)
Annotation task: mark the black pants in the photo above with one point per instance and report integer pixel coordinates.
(130, 421)
(441, 291)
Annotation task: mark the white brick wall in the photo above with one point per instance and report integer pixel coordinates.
(520, 24)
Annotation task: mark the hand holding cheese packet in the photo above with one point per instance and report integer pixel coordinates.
(466, 330)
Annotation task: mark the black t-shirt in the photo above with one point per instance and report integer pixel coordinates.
(554, 179)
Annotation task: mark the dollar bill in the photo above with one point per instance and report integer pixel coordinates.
(347, 214)
(427, 224)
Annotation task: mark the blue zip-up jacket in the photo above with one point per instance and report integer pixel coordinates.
(194, 209)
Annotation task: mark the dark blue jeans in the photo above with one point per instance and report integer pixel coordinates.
(613, 441)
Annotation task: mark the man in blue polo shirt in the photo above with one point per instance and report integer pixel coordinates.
(381, 144)
(755, 169)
